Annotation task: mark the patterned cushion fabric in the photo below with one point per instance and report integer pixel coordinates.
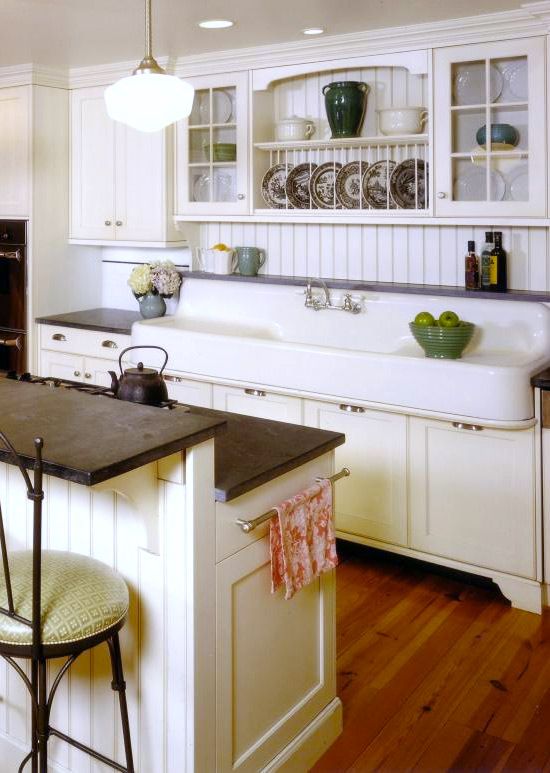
(81, 597)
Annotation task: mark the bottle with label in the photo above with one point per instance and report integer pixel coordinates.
(498, 270)
(486, 251)
(472, 268)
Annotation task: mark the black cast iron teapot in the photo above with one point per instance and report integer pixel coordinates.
(140, 385)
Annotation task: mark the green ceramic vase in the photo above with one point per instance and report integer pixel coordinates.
(151, 305)
(345, 103)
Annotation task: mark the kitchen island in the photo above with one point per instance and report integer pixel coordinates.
(221, 674)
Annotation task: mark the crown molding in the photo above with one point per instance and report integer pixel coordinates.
(540, 9)
(105, 74)
(33, 75)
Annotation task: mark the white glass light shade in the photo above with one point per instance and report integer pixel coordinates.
(149, 101)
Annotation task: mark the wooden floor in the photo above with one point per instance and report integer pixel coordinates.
(436, 674)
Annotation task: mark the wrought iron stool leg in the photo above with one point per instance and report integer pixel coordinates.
(42, 717)
(119, 685)
(34, 747)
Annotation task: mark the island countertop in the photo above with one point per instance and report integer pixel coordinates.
(91, 438)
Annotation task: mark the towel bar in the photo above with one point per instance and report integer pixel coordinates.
(248, 526)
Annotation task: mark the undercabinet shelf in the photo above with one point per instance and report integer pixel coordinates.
(351, 142)
(376, 218)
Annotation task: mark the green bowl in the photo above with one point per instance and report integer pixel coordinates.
(445, 343)
(224, 151)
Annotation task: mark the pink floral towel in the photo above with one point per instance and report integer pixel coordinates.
(302, 539)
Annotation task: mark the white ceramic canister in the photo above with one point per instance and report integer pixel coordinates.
(294, 128)
(402, 120)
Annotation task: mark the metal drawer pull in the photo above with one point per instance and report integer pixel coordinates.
(173, 379)
(471, 427)
(16, 342)
(248, 526)
(58, 337)
(12, 255)
(109, 344)
(107, 222)
(76, 373)
(351, 408)
(255, 392)
(118, 222)
(87, 375)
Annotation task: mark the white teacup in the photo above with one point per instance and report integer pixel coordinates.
(294, 128)
(402, 120)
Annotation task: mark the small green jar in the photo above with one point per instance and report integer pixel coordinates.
(345, 103)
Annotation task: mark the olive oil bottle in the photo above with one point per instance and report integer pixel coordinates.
(472, 268)
(486, 251)
(498, 271)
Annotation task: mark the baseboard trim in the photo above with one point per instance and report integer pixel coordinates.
(309, 745)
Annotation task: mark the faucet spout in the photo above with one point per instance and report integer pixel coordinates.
(313, 302)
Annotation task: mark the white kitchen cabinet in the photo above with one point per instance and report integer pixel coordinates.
(212, 148)
(372, 502)
(15, 151)
(290, 658)
(482, 85)
(188, 391)
(472, 494)
(121, 179)
(88, 370)
(258, 402)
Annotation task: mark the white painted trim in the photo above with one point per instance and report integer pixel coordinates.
(115, 243)
(335, 218)
(33, 75)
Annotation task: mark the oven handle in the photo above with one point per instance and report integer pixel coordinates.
(11, 255)
(17, 342)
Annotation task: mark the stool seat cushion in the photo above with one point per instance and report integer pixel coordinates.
(81, 597)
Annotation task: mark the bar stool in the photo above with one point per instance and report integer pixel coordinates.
(84, 603)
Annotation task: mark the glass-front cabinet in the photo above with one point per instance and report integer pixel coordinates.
(500, 170)
(212, 150)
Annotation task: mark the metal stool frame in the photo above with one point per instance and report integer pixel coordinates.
(38, 653)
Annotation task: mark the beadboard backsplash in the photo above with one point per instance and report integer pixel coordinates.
(385, 253)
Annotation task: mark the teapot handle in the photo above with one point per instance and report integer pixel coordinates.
(123, 352)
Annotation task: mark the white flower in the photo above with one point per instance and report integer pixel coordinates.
(140, 279)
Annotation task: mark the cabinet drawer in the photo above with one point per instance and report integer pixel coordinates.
(185, 390)
(90, 343)
(258, 402)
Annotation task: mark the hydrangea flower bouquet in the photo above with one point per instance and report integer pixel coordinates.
(151, 283)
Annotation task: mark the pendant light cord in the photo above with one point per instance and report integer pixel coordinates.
(148, 31)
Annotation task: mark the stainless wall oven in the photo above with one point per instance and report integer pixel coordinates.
(13, 295)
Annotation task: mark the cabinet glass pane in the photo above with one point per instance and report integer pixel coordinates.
(200, 112)
(200, 183)
(514, 174)
(469, 180)
(514, 83)
(469, 83)
(199, 145)
(224, 188)
(223, 106)
(465, 125)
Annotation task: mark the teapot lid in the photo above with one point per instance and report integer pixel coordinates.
(141, 371)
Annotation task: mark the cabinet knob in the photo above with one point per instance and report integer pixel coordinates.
(58, 337)
(241, 196)
(76, 373)
(108, 222)
(255, 392)
(118, 222)
(87, 375)
(108, 344)
(441, 195)
(351, 408)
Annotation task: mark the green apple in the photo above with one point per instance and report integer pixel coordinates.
(425, 319)
(449, 319)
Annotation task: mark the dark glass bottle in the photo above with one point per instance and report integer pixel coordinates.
(472, 268)
(498, 270)
(486, 251)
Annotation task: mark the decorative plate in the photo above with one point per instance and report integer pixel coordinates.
(348, 184)
(297, 185)
(469, 84)
(516, 76)
(222, 107)
(375, 185)
(471, 185)
(274, 186)
(517, 183)
(322, 187)
(201, 188)
(408, 184)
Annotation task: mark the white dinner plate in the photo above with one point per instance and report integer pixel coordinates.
(222, 107)
(516, 75)
(470, 185)
(518, 182)
(469, 84)
(201, 188)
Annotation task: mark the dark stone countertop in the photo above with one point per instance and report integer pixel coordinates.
(542, 379)
(91, 438)
(105, 320)
(380, 287)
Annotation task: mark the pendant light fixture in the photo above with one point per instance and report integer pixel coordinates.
(149, 99)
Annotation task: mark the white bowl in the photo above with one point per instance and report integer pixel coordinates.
(402, 120)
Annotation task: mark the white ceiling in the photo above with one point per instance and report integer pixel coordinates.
(86, 32)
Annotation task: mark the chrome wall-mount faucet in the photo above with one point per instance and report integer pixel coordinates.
(317, 303)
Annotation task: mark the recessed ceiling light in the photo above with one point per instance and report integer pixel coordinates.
(313, 31)
(216, 24)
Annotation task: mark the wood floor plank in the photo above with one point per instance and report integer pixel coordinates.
(417, 653)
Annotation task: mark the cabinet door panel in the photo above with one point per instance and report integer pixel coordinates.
(15, 151)
(140, 191)
(61, 365)
(257, 402)
(93, 167)
(271, 685)
(472, 495)
(372, 501)
(96, 371)
(188, 391)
